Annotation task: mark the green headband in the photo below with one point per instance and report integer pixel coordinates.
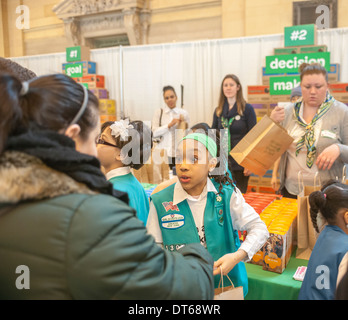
(208, 142)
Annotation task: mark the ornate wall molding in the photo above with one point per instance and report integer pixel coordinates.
(86, 19)
(191, 6)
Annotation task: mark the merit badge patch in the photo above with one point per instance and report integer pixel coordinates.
(169, 206)
(173, 221)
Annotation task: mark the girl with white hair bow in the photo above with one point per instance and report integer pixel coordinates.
(121, 146)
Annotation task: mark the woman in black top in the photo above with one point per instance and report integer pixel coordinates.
(234, 114)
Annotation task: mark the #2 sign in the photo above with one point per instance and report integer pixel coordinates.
(303, 35)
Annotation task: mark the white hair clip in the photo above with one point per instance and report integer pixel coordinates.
(25, 88)
(120, 129)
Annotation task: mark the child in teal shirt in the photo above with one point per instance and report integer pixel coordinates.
(122, 146)
(331, 248)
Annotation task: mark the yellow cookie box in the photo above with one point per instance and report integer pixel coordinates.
(280, 219)
(107, 107)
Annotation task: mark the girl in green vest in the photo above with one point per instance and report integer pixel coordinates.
(207, 211)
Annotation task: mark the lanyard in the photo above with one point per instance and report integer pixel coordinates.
(226, 125)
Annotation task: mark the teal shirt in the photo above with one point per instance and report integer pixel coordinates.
(136, 193)
(322, 271)
(178, 228)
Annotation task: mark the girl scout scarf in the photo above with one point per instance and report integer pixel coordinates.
(308, 138)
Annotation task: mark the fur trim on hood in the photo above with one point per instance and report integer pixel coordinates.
(24, 177)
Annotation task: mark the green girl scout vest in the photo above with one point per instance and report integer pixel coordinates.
(178, 228)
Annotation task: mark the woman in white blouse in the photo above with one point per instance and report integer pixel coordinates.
(165, 121)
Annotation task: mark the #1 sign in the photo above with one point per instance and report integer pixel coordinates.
(73, 54)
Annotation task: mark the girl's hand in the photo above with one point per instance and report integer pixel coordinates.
(327, 158)
(228, 262)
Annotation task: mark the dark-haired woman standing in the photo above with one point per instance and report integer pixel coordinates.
(238, 117)
(165, 121)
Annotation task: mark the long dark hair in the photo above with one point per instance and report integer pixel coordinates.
(48, 103)
(332, 197)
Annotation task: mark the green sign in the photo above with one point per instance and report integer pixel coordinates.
(73, 54)
(283, 85)
(74, 70)
(304, 35)
(289, 63)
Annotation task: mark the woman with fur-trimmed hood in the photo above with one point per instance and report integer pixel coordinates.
(61, 221)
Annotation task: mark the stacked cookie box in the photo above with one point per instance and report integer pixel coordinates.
(82, 70)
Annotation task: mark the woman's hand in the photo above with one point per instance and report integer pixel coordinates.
(327, 158)
(274, 183)
(247, 172)
(278, 114)
(228, 262)
(173, 123)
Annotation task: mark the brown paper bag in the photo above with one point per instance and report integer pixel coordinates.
(141, 174)
(180, 130)
(228, 293)
(165, 171)
(306, 234)
(262, 146)
(158, 170)
(155, 170)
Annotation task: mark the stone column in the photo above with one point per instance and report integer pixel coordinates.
(72, 31)
(132, 25)
(145, 19)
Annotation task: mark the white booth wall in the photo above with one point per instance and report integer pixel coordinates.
(136, 75)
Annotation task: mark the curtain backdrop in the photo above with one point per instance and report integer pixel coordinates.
(136, 75)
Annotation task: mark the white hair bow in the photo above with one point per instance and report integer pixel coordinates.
(120, 128)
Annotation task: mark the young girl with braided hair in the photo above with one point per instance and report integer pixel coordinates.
(203, 127)
(331, 247)
(205, 207)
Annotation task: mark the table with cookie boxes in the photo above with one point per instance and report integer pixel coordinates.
(271, 269)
